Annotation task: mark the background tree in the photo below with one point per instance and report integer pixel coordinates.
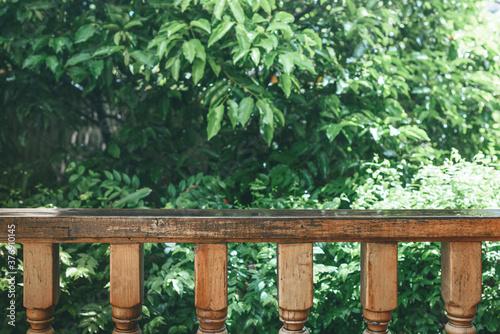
(166, 90)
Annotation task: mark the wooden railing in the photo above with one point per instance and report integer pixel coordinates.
(461, 233)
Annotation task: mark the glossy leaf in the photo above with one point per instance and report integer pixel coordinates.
(214, 121)
(144, 57)
(78, 58)
(237, 10)
(245, 110)
(219, 32)
(232, 112)
(198, 70)
(84, 33)
(203, 24)
(176, 67)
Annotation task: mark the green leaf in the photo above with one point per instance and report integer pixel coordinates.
(267, 44)
(200, 49)
(233, 112)
(245, 110)
(242, 37)
(278, 115)
(52, 63)
(214, 121)
(107, 50)
(314, 37)
(351, 7)
(73, 178)
(185, 5)
(173, 27)
(59, 43)
(33, 60)
(414, 132)
(285, 29)
(255, 55)
(126, 179)
(239, 54)
(114, 151)
(144, 57)
(162, 48)
(108, 175)
(117, 37)
(215, 67)
(238, 13)
(78, 58)
(198, 70)
(202, 24)
(284, 17)
(285, 83)
(219, 32)
(78, 74)
(117, 175)
(84, 33)
(131, 24)
(136, 183)
(171, 190)
(265, 6)
(96, 67)
(176, 67)
(189, 51)
(303, 62)
(132, 198)
(333, 130)
(269, 59)
(266, 120)
(287, 61)
(219, 8)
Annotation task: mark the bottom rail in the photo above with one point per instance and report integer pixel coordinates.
(460, 285)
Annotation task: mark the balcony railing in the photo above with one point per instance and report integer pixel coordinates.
(460, 231)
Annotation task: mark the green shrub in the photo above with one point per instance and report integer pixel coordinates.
(456, 184)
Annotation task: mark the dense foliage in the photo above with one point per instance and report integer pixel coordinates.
(238, 89)
(258, 103)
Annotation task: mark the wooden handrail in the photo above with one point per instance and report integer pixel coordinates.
(460, 231)
(152, 226)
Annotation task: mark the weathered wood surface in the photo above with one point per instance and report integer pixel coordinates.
(295, 286)
(41, 285)
(210, 292)
(461, 280)
(379, 284)
(126, 291)
(140, 226)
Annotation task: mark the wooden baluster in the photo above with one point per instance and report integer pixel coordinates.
(461, 280)
(126, 286)
(379, 284)
(295, 286)
(41, 285)
(210, 276)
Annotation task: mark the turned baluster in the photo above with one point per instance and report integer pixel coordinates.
(210, 274)
(41, 285)
(461, 284)
(126, 286)
(295, 286)
(379, 284)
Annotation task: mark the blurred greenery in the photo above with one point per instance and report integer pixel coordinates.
(250, 104)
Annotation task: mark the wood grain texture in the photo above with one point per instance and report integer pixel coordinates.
(144, 226)
(295, 286)
(126, 286)
(41, 285)
(461, 284)
(210, 277)
(379, 284)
